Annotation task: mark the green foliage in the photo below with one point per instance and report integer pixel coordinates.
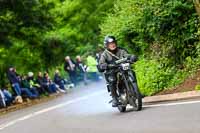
(197, 87)
(152, 77)
(155, 28)
(36, 35)
(163, 33)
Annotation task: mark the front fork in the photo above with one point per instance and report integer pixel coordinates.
(130, 77)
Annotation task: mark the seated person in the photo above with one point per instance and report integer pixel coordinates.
(15, 81)
(43, 89)
(47, 83)
(33, 83)
(59, 81)
(25, 84)
(8, 96)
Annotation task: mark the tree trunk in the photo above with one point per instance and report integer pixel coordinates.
(197, 6)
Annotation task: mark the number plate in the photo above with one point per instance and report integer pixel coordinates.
(125, 66)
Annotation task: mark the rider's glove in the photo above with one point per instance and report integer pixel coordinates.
(111, 66)
(133, 58)
(103, 66)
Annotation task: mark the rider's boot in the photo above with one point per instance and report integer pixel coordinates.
(115, 101)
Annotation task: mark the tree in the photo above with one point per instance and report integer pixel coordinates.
(197, 6)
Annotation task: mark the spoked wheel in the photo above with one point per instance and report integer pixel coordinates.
(122, 97)
(135, 98)
(121, 108)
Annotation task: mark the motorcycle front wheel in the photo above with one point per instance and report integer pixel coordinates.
(121, 108)
(135, 98)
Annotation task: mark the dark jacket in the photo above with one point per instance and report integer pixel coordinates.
(39, 80)
(46, 81)
(57, 79)
(81, 67)
(98, 56)
(12, 77)
(67, 65)
(108, 58)
(25, 84)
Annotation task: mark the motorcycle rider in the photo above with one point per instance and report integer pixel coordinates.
(112, 53)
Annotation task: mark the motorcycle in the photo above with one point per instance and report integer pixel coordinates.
(127, 88)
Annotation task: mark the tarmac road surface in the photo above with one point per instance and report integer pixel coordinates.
(86, 110)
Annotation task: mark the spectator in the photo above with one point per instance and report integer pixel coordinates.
(43, 89)
(12, 77)
(59, 81)
(33, 84)
(25, 84)
(15, 81)
(82, 69)
(70, 67)
(92, 68)
(26, 91)
(8, 96)
(2, 100)
(47, 82)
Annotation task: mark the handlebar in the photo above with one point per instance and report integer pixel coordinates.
(118, 62)
(122, 60)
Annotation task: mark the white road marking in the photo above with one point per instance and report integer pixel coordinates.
(172, 104)
(31, 115)
(3, 126)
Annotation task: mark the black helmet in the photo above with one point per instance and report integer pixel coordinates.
(109, 39)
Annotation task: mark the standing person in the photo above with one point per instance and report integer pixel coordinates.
(70, 67)
(92, 68)
(82, 69)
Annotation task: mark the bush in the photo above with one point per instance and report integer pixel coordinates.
(164, 33)
(197, 87)
(152, 77)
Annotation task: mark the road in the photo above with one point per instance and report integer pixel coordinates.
(86, 110)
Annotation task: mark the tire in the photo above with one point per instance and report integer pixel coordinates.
(136, 98)
(121, 109)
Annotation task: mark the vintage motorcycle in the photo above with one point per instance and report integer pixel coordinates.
(127, 88)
